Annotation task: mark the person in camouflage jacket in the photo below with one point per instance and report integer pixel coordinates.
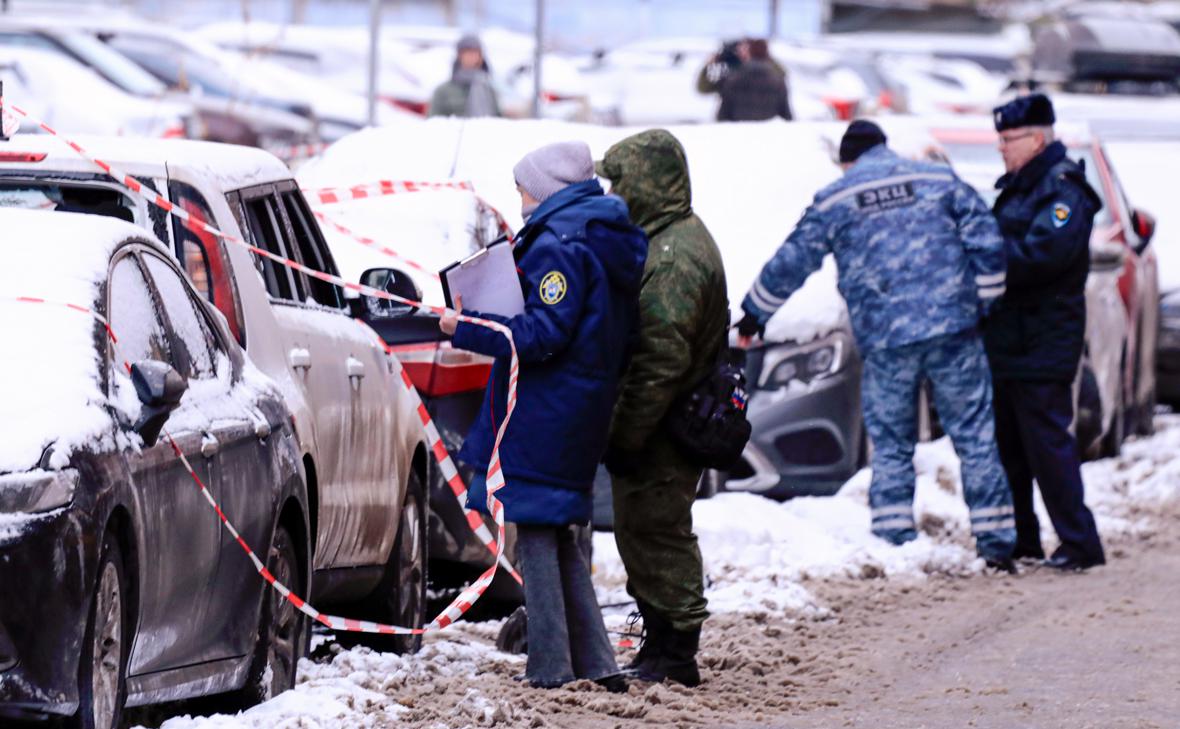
(684, 315)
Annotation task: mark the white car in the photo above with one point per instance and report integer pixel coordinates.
(362, 444)
(75, 99)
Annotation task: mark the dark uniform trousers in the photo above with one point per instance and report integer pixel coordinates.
(1032, 432)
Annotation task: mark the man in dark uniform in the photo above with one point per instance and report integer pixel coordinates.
(1034, 336)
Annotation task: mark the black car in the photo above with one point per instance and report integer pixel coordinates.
(119, 585)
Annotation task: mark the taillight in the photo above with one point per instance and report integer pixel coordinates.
(885, 100)
(416, 107)
(844, 109)
(173, 131)
(437, 369)
(21, 156)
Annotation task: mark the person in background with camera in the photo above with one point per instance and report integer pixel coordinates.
(920, 258)
(580, 264)
(752, 85)
(683, 317)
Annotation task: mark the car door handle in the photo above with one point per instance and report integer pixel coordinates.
(210, 446)
(355, 367)
(300, 358)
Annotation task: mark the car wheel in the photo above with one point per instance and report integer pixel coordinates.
(283, 631)
(102, 672)
(400, 597)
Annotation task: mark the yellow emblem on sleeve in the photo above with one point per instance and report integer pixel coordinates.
(553, 287)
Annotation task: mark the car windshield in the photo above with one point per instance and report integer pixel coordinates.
(116, 67)
(981, 165)
(176, 66)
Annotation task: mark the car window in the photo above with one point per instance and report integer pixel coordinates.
(134, 317)
(48, 195)
(205, 259)
(312, 250)
(265, 226)
(194, 343)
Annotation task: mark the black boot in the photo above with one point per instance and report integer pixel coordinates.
(649, 639)
(677, 659)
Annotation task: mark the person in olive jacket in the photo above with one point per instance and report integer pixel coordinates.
(683, 318)
(580, 262)
(1034, 336)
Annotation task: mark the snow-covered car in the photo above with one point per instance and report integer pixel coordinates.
(430, 228)
(233, 103)
(1108, 55)
(73, 98)
(121, 585)
(361, 442)
(1120, 359)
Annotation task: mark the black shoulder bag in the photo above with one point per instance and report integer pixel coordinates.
(708, 423)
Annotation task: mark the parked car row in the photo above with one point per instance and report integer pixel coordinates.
(320, 461)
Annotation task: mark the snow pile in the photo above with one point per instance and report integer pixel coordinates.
(361, 688)
(759, 554)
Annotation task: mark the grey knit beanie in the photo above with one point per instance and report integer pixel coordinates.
(546, 170)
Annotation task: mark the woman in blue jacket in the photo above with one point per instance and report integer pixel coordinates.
(580, 264)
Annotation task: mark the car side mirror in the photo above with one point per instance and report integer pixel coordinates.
(1107, 256)
(160, 389)
(1144, 225)
(392, 281)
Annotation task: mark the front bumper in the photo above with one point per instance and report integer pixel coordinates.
(44, 605)
(806, 441)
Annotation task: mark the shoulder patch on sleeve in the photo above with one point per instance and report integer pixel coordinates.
(553, 287)
(1061, 214)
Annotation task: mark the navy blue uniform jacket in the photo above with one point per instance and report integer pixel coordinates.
(581, 263)
(1046, 212)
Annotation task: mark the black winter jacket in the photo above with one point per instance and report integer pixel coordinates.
(756, 91)
(1046, 212)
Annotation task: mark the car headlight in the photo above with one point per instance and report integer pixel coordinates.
(806, 363)
(34, 491)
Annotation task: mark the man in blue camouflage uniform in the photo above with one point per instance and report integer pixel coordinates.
(920, 257)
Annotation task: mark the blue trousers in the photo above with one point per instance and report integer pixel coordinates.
(957, 368)
(1032, 428)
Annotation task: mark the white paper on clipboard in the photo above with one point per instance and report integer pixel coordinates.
(486, 280)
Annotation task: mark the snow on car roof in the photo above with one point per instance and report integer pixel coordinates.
(749, 208)
(231, 166)
(49, 375)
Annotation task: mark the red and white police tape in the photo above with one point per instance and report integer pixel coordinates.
(370, 243)
(494, 477)
(330, 195)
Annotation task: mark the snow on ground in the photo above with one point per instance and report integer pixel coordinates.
(761, 557)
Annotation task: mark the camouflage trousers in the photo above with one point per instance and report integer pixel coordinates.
(653, 530)
(957, 368)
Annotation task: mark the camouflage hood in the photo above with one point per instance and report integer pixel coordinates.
(650, 172)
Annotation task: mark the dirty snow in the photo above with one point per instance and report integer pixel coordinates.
(764, 560)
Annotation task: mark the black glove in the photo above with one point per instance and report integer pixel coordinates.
(620, 462)
(748, 326)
